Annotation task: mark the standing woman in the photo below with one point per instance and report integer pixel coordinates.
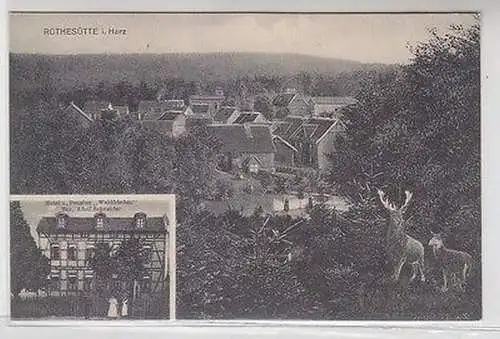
(113, 308)
(125, 308)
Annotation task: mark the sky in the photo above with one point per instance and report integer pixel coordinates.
(380, 38)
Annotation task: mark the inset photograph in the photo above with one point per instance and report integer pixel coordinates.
(92, 257)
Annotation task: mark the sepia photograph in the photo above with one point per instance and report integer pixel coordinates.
(91, 257)
(325, 166)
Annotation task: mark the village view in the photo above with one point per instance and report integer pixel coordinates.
(285, 179)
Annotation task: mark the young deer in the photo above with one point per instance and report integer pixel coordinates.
(453, 263)
(400, 247)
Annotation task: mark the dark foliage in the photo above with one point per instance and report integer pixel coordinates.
(28, 267)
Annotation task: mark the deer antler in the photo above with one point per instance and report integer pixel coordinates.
(407, 200)
(385, 201)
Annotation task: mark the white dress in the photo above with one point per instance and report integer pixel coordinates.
(125, 308)
(113, 309)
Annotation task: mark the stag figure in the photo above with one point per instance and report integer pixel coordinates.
(400, 247)
(453, 263)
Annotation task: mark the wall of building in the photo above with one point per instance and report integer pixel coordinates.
(299, 107)
(326, 147)
(179, 126)
(80, 267)
(266, 159)
(284, 154)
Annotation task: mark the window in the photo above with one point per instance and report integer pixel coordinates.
(140, 222)
(72, 283)
(72, 253)
(99, 220)
(87, 284)
(55, 253)
(61, 221)
(89, 253)
(99, 223)
(54, 283)
(148, 253)
(146, 284)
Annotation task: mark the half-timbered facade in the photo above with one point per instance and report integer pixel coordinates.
(70, 243)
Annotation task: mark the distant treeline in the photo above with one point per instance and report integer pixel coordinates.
(139, 77)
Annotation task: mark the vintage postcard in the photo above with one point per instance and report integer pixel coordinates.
(92, 257)
(324, 166)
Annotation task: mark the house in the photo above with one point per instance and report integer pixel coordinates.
(250, 118)
(285, 152)
(291, 103)
(313, 138)
(104, 110)
(244, 147)
(70, 241)
(199, 111)
(171, 123)
(80, 117)
(226, 115)
(153, 109)
(330, 106)
(214, 102)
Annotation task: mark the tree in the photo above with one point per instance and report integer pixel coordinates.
(125, 264)
(29, 268)
(416, 128)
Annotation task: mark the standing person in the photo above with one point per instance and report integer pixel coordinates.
(125, 308)
(113, 308)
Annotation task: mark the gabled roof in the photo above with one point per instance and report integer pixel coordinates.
(87, 224)
(171, 115)
(246, 117)
(224, 113)
(284, 99)
(95, 106)
(333, 101)
(284, 142)
(301, 127)
(243, 139)
(78, 110)
(207, 98)
(200, 108)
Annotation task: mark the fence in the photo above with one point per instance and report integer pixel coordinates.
(151, 306)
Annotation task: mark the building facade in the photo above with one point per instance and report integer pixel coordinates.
(70, 243)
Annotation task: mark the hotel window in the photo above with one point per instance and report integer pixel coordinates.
(87, 283)
(72, 282)
(140, 220)
(61, 221)
(148, 253)
(146, 284)
(72, 252)
(99, 220)
(89, 253)
(54, 283)
(55, 253)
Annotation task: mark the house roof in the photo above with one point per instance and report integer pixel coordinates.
(333, 101)
(87, 224)
(171, 115)
(224, 113)
(311, 128)
(284, 142)
(244, 139)
(282, 100)
(207, 98)
(246, 117)
(79, 111)
(200, 108)
(95, 106)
